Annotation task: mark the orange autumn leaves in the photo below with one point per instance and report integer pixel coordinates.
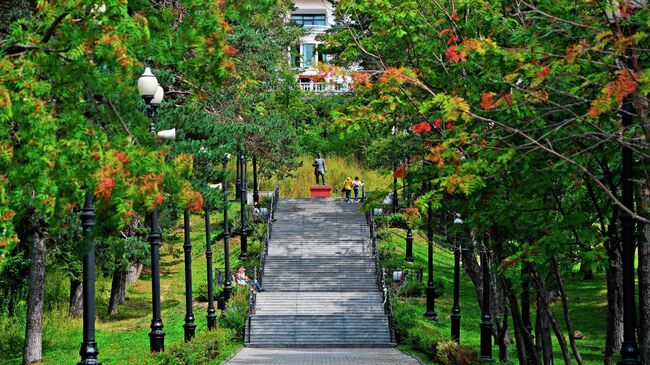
(625, 84)
(121, 184)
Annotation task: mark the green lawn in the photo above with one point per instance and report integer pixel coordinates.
(587, 301)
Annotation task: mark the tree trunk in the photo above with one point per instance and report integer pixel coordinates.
(544, 332)
(133, 273)
(525, 345)
(565, 308)
(644, 279)
(33, 350)
(614, 276)
(542, 302)
(118, 290)
(76, 298)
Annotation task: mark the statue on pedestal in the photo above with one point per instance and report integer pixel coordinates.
(319, 168)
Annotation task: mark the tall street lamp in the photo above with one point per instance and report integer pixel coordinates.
(239, 176)
(152, 94)
(212, 314)
(256, 191)
(189, 327)
(629, 348)
(242, 199)
(395, 199)
(455, 311)
(431, 290)
(89, 351)
(486, 319)
(227, 286)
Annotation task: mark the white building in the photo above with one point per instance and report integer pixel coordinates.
(316, 16)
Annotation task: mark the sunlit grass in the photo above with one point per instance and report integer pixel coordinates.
(338, 168)
(587, 303)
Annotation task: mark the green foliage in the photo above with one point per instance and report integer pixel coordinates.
(203, 348)
(453, 353)
(391, 220)
(234, 317)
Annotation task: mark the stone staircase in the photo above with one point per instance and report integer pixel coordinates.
(320, 280)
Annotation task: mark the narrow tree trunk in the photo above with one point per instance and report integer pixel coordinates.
(565, 308)
(614, 276)
(542, 295)
(118, 290)
(544, 332)
(35, 299)
(525, 346)
(644, 279)
(76, 298)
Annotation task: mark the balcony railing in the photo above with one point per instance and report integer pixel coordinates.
(323, 87)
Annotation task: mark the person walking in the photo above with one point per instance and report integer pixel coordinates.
(356, 185)
(347, 188)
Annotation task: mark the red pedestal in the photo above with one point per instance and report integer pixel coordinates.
(319, 191)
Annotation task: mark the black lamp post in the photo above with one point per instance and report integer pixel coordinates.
(431, 290)
(212, 315)
(189, 327)
(239, 173)
(455, 310)
(409, 244)
(256, 192)
(486, 319)
(89, 351)
(153, 94)
(242, 199)
(227, 286)
(395, 199)
(629, 348)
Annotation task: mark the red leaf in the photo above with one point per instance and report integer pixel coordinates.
(487, 101)
(422, 127)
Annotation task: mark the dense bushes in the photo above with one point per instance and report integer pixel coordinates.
(234, 317)
(202, 349)
(425, 337)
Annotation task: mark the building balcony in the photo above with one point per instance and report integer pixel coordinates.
(325, 87)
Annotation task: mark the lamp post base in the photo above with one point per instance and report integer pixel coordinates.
(189, 328)
(157, 338)
(629, 355)
(212, 319)
(486, 342)
(89, 354)
(455, 327)
(431, 304)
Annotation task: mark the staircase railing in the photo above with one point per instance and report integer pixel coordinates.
(381, 275)
(258, 275)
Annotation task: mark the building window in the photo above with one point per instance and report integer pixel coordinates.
(309, 20)
(308, 54)
(322, 57)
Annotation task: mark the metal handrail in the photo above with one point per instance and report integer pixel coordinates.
(259, 274)
(381, 275)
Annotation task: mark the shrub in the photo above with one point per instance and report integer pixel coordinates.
(392, 220)
(403, 321)
(204, 347)
(452, 353)
(234, 317)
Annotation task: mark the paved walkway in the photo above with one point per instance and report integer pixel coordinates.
(333, 356)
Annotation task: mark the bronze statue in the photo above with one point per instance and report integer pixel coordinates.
(319, 168)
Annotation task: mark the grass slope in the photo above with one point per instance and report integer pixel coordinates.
(338, 168)
(587, 301)
(123, 338)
